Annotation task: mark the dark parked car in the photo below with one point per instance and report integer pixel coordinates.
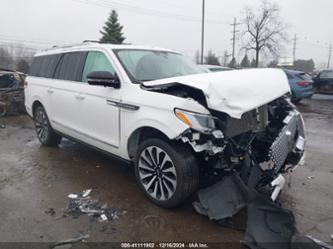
(11, 92)
(301, 85)
(213, 68)
(11, 79)
(323, 82)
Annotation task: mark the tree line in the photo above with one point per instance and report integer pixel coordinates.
(262, 35)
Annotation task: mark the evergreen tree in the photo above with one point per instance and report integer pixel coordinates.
(253, 63)
(212, 59)
(233, 63)
(273, 63)
(112, 30)
(23, 66)
(245, 62)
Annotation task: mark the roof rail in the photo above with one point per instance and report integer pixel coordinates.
(82, 44)
(92, 41)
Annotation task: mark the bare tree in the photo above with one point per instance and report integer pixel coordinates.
(264, 31)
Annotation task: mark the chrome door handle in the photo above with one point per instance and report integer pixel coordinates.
(79, 97)
(50, 91)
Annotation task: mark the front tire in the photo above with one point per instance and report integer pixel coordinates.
(45, 133)
(167, 172)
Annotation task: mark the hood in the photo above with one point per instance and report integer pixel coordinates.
(234, 92)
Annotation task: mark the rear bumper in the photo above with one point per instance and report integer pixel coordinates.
(306, 93)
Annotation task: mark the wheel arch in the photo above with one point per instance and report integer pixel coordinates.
(139, 135)
(35, 104)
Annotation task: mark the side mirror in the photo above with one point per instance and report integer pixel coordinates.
(103, 78)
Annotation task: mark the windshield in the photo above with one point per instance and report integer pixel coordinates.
(147, 65)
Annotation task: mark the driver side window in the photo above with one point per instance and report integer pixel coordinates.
(96, 61)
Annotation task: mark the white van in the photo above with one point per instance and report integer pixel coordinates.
(157, 109)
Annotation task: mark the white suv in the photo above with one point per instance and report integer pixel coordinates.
(154, 107)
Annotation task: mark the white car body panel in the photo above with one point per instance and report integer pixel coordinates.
(81, 111)
(235, 92)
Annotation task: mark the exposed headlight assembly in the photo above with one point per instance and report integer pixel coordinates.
(200, 122)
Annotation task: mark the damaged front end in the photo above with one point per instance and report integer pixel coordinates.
(261, 146)
(240, 159)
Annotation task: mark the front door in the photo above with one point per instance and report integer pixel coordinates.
(98, 119)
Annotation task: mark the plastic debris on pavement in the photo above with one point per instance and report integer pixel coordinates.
(80, 204)
(269, 226)
(80, 238)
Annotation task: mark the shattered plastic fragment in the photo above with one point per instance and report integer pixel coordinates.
(268, 225)
(300, 241)
(220, 201)
(80, 204)
(87, 192)
(73, 196)
(80, 238)
(103, 217)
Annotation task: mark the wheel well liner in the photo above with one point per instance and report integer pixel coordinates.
(35, 105)
(139, 135)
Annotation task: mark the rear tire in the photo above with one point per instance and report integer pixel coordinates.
(167, 172)
(45, 133)
(294, 100)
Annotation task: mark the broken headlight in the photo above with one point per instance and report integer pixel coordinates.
(200, 122)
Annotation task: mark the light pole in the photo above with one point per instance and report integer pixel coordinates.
(203, 32)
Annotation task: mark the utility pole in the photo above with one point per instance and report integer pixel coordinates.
(329, 56)
(203, 32)
(294, 48)
(235, 24)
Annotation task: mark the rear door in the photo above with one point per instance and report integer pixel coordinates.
(64, 93)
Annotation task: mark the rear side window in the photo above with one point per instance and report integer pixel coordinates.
(9, 81)
(96, 61)
(70, 66)
(304, 76)
(44, 66)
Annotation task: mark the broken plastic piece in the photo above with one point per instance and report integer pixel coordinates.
(300, 241)
(269, 226)
(104, 217)
(70, 241)
(73, 196)
(278, 185)
(220, 201)
(87, 192)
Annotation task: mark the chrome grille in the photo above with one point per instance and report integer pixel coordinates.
(284, 143)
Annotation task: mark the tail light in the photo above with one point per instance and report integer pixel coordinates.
(25, 84)
(303, 83)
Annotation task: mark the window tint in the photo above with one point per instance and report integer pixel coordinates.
(289, 76)
(96, 61)
(44, 66)
(70, 66)
(304, 76)
(326, 75)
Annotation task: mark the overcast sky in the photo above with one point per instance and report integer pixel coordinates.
(172, 24)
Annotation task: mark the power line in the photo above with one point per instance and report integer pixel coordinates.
(146, 11)
(181, 6)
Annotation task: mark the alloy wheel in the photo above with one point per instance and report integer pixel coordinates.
(41, 123)
(157, 173)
